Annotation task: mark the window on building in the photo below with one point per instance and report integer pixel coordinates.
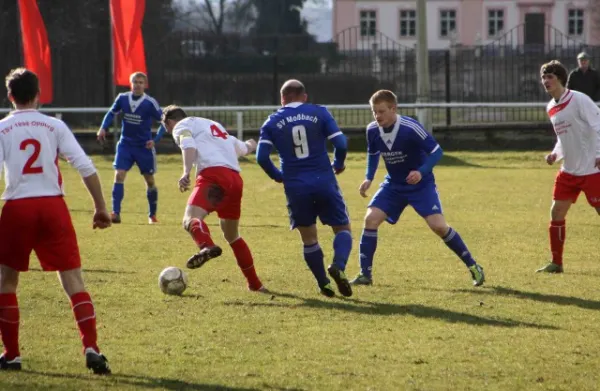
(368, 23)
(575, 22)
(447, 22)
(495, 22)
(408, 23)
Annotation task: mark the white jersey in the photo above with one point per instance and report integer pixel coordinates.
(576, 121)
(30, 143)
(214, 146)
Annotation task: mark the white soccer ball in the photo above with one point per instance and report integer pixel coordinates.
(172, 281)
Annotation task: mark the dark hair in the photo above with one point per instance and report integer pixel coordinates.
(23, 85)
(173, 112)
(557, 69)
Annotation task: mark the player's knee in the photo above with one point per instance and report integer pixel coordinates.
(372, 221)
(186, 223)
(120, 176)
(150, 183)
(231, 236)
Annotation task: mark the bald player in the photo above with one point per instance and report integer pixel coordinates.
(299, 131)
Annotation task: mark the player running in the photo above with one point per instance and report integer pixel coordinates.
(409, 153)
(35, 215)
(300, 131)
(206, 144)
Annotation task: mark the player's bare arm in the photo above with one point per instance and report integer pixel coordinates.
(364, 187)
(251, 144)
(101, 135)
(189, 157)
(101, 217)
(414, 177)
(551, 158)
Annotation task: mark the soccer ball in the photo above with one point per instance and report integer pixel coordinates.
(172, 281)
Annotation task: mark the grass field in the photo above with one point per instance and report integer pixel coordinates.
(422, 326)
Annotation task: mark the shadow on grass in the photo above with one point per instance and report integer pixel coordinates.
(544, 298)
(117, 379)
(102, 271)
(387, 309)
(452, 161)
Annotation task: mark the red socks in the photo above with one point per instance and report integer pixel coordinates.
(200, 232)
(9, 324)
(246, 263)
(85, 316)
(557, 232)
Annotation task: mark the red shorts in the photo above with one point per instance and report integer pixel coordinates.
(568, 187)
(42, 224)
(219, 189)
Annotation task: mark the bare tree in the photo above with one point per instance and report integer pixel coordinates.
(217, 16)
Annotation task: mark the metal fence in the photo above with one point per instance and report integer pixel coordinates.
(194, 69)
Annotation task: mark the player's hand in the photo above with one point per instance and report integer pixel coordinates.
(598, 162)
(101, 219)
(414, 177)
(150, 144)
(364, 187)
(251, 144)
(337, 170)
(551, 158)
(184, 183)
(101, 135)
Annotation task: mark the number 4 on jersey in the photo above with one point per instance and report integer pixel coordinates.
(216, 132)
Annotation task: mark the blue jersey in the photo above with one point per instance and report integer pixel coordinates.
(405, 147)
(138, 115)
(300, 132)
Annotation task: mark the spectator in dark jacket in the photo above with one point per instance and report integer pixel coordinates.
(585, 79)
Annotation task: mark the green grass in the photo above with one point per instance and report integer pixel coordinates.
(422, 326)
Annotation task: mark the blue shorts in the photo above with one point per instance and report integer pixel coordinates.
(127, 155)
(326, 203)
(393, 200)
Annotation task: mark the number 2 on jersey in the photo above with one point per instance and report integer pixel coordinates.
(300, 141)
(29, 168)
(216, 132)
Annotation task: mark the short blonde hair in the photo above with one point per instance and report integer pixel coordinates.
(385, 96)
(135, 75)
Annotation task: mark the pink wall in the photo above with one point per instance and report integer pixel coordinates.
(470, 13)
(345, 15)
(593, 15)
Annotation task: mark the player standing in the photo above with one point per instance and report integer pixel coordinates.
(218, 187)
(136, 144)
(35, 216)
(300, 131)
(409, 153)
(576, 121)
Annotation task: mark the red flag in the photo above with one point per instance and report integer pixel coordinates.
(36, 49)
(128, 43)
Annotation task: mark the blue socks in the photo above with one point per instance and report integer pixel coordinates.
(368, 245)
(313, 255)
(342, 245)
(152, 194)
(118, 193)
(456, 244)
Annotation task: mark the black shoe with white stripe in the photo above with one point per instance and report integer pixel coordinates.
(96, 362)
(10, 365)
